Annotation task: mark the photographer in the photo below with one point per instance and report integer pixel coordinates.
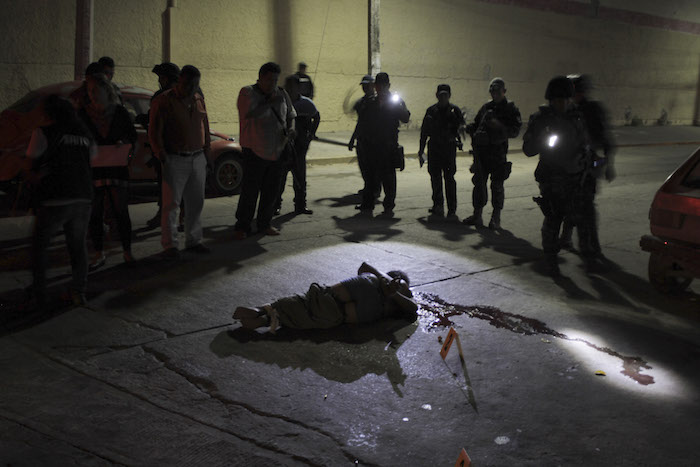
(266, 117)
(496, 121)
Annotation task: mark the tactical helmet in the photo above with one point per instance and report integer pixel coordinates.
(582, 83)
(559, 86)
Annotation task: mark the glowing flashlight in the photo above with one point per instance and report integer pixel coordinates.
(395, 98)
(552, 141)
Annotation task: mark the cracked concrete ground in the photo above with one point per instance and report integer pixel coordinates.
(155, 371)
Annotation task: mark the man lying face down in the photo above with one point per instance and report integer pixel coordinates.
(369, 296)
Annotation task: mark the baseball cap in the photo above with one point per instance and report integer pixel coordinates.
(367, 79)
(167, 69)
(444, 88)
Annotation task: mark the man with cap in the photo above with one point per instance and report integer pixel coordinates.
(380, 129)
(168, 73)
(440, 129)
(557, 133)
(306, 86)
(367, 84)
(496, 121)
(602, 164)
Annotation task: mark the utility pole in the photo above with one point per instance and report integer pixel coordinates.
(84, 20)
(374, 58)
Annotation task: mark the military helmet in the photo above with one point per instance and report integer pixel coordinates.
(559, 86)
(582, 83)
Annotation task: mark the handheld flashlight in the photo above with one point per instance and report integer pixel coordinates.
(395, 97)
(552, 141)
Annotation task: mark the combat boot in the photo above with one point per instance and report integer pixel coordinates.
(552, 265)
(495, 222)
(475, 219)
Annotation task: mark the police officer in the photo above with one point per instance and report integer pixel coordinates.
(603, 147)
(441, 126)
(382, 116)
(306, 86)
(557, 133)
(367, 84)
(496, 121)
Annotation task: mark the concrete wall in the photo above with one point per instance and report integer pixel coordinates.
(643, 55)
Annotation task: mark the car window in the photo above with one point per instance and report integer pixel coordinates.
(692, 180)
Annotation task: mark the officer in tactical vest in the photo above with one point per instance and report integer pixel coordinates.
(557, 133)
(603, 147)
(496, 121)
(440, 129)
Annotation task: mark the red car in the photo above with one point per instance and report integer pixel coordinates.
(674, 242)
(19, 120)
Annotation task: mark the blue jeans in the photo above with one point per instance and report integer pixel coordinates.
(74, 219)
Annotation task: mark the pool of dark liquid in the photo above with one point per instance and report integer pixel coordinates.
(436, 313)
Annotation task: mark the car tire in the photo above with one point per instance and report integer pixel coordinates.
(227, 174)
(659, 267)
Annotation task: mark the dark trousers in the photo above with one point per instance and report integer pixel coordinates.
(486, 165)
(381, 174)
(73, 218)
(297, 166)
(442, 165)
(260, 178)
(589, 244)
(118, 199)
(365, 169)
(562, 198)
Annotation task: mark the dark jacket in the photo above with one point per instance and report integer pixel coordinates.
(65, 165)
(441, 127)
(489, 138)
(560, 140)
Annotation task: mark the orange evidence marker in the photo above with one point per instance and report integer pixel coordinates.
(448, 343)
(463, 460)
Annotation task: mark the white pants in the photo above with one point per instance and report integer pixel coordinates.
(184, 178)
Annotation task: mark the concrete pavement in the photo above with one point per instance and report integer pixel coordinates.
(155, 372)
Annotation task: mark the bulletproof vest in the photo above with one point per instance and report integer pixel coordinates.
(563, 141)
(443, 123)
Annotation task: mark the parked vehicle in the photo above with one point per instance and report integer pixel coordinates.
(674, 242)
(19, 120)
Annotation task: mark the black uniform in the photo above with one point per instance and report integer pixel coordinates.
(490, 144)
(379, 137)
(562, 143)
(601, 140)
(306, 86)
(440, 128)
(361, 147)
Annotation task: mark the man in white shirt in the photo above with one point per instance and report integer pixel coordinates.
(266, 117)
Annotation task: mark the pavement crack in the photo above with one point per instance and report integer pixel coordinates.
(26, 426)
(211, 390)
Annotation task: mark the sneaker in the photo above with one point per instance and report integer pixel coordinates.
(387, 213)
(474, 220)
(98, 260)
(271, 231)
(239, 235)
(303, 211)
(495, 223)
(171, 253)
(199, 249)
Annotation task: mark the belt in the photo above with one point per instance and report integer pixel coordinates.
(189, 153)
